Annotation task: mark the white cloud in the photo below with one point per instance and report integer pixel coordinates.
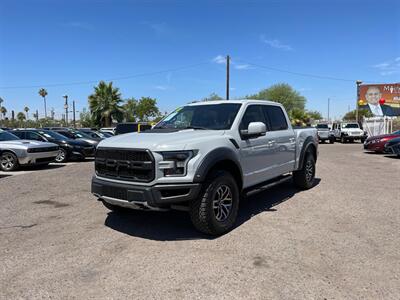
(219, 59)
(242, 67)
(274, 43)
(388, 67)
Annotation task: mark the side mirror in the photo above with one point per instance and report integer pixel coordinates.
(254, 130)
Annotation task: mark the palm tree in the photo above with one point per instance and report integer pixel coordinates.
(3, 111)
(130, 107)
(20, 118)
(1, 102)
(26, 109)
(105, 105)
(43, 93)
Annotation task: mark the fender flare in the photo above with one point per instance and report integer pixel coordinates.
(214, 157)
(308, 144)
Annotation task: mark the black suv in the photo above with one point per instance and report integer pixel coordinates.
(69, 149)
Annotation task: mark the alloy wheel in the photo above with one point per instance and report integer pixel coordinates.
(7, 162)
(309, 171)
(222, 203)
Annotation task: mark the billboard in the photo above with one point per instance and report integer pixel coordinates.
(380, 99)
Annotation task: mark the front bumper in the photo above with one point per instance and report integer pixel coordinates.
(139, 196)
(38, 158)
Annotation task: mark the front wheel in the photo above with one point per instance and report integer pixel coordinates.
(61, 156)
(215, 210)
(304, 178)
(8, 162)
(332, 140)
(343, 140)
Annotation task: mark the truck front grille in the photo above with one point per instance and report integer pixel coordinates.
(125, 164)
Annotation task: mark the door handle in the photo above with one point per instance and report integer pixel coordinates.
(291, 140)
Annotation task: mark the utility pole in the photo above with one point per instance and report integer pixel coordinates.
(73, 113)
(66, 109)
(227, 76)
(329, 104)
(358, 83)
(37, 116)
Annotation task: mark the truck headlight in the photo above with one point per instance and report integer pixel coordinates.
(174, 163)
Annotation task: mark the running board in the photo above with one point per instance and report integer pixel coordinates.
(267, 184)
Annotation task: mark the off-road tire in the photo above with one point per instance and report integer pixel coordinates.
(302, 178)
(343, 140)
(202, 212)
(332, 140)
(9, 158)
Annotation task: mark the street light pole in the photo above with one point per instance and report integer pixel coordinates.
(66, 109)
(329, 102)
(227, 76)
(358, 83)
(73, 114)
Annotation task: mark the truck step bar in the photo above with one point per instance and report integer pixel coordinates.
(267, 184)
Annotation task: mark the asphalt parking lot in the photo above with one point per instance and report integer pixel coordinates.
(339, 240)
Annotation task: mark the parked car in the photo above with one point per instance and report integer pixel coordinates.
(393, 146)
(325, 134)
(377, 143)
(69, 149)
(91, 133)
(202, 158)
(132, 127)
(15, 152)
(76, 135)
(348, 132)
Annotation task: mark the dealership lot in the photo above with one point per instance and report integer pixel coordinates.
(340, 239)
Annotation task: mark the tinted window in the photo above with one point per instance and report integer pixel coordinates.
(276, 117)
(6, 136)
(19, 134)
(33, 136)
(323, 126)
(67, 134)
(253, 113)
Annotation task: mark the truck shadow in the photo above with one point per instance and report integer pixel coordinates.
(176, 225)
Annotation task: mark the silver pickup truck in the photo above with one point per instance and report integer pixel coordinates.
(15, 152)
(203, 158)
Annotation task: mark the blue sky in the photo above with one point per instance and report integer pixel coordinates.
(47, 42)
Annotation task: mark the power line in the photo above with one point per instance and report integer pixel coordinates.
(303, 74)
(109, 79)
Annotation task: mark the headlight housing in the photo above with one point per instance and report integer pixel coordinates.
(174, 163)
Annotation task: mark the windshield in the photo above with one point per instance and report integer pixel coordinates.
(351, 125)
(53, 135)
(6, 136)
(323, 126)
(212, 116)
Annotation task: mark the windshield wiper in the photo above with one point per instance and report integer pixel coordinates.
(195, 127)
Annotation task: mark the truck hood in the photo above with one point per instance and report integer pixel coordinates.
(161, 141)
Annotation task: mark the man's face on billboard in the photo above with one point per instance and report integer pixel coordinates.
(373, 95)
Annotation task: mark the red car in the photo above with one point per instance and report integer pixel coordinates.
(377, 143)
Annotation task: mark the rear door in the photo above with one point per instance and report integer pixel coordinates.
(281, 139)
(255, 154)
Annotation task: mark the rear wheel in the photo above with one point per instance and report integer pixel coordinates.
(215, 210)
(332, 140)
(304, 178)
(8, 162)
(343, 140)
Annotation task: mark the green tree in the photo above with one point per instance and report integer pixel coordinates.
(130, 110)
(313, 114)
(26, 109)
(282, 93)
(146, 109)
(3, 111)
(211, 97)
(85, 118)
(43, 94)
(21, 118)
(105, 105)
(351, 115)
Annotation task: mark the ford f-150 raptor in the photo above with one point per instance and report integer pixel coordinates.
(204, 157)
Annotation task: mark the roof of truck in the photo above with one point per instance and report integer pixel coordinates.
(240, 101)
